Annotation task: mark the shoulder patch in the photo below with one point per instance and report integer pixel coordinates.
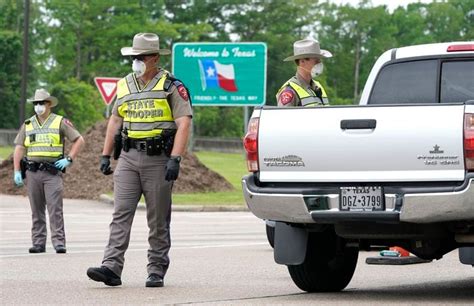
(286, 96)
(183, 92)
(66, 121)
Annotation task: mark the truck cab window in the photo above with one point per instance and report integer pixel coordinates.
(457, 81)
(407, 82)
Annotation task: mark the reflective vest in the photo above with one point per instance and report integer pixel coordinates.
(43, 140)
(308, 97)
(146, 112)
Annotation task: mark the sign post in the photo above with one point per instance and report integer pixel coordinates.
(108, 90)
(222, 74)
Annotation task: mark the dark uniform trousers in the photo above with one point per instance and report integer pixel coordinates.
(45, 190)
(138, 173)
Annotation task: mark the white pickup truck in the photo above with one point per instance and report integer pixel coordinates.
(398, 169)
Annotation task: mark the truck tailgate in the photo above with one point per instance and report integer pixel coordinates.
(362, 144)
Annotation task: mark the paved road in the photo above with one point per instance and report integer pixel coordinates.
(216, 258)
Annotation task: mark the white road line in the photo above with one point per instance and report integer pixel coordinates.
(145, 249)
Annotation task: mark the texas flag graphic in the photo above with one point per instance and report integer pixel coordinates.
(215, 74)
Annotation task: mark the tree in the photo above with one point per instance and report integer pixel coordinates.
(10, 60)
(79, 102)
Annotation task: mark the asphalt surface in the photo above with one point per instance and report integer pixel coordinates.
(216, 258)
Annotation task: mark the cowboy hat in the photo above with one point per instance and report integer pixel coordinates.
(42, 95)
(143, 44)
(307, 48)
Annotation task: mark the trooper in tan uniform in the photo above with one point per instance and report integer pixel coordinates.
(153, 112)
(42, 138)
(302, 89)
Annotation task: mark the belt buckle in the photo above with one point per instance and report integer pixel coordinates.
(141, 145)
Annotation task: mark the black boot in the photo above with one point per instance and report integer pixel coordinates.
(60, 249)
(105, 275)
(37, 249)
(154, 280)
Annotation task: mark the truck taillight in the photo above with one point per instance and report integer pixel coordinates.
(251, 145)
(469, 141)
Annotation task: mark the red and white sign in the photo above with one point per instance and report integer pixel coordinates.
(107, 88)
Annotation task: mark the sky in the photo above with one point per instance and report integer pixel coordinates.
(391, 4)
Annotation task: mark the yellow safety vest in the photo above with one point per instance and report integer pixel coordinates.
(43, 140)
(307, 97)
(146, 112)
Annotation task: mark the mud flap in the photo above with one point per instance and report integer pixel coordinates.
(466, 255)
(290, 244)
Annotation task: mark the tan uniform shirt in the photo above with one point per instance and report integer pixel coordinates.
(66, 130)
(288, 97)
(177, 96)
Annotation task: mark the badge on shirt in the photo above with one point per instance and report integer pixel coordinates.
(286, 97)
(66, 121)
(183, 92)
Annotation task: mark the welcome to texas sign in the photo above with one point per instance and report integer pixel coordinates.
(222, 73)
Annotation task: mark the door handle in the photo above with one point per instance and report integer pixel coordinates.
(358, 124)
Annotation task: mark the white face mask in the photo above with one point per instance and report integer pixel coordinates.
(317, 70)
(138, 68)
(40, 109)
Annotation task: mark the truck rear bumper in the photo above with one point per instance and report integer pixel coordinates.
(414, 206)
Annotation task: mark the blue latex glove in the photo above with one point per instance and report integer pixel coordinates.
(17, 178)
(62, 164)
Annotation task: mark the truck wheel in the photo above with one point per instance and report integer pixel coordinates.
(328, 265)
(270, 235)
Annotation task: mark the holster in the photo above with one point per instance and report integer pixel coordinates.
(168, 141)
(125, 141)
(118, 144)
(23, 167)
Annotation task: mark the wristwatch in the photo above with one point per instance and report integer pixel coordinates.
(176, 157)
(69, 159)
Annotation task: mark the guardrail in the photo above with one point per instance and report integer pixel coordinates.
(7, 137)
(228, 145)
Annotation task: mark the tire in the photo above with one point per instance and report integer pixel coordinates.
(328, 266)
(270, 235)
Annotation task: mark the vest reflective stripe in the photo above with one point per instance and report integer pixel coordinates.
(143, 95)
(144, 126)
(45, 140)
(33, 149)
(42, 131)
(145, 113)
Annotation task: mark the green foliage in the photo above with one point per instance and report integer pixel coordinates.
(79, 102)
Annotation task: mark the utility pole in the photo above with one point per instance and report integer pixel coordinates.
(24, 63)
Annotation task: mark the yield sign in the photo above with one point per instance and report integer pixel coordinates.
(107, 88)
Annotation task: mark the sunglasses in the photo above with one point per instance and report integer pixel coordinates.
(39, 102)
(141, 57)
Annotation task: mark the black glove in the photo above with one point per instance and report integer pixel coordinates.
(105, 164)
(172, 168)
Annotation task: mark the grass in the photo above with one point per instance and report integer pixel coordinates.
(232, 167)
(5, 151)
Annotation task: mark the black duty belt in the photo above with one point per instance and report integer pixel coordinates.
(152, 146)
(41, 166)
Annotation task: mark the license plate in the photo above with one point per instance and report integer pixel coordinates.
(361, 198)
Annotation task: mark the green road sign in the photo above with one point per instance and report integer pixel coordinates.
(222, 73)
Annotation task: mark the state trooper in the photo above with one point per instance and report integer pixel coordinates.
(302, 89)
(42, 138)
(153, 114)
